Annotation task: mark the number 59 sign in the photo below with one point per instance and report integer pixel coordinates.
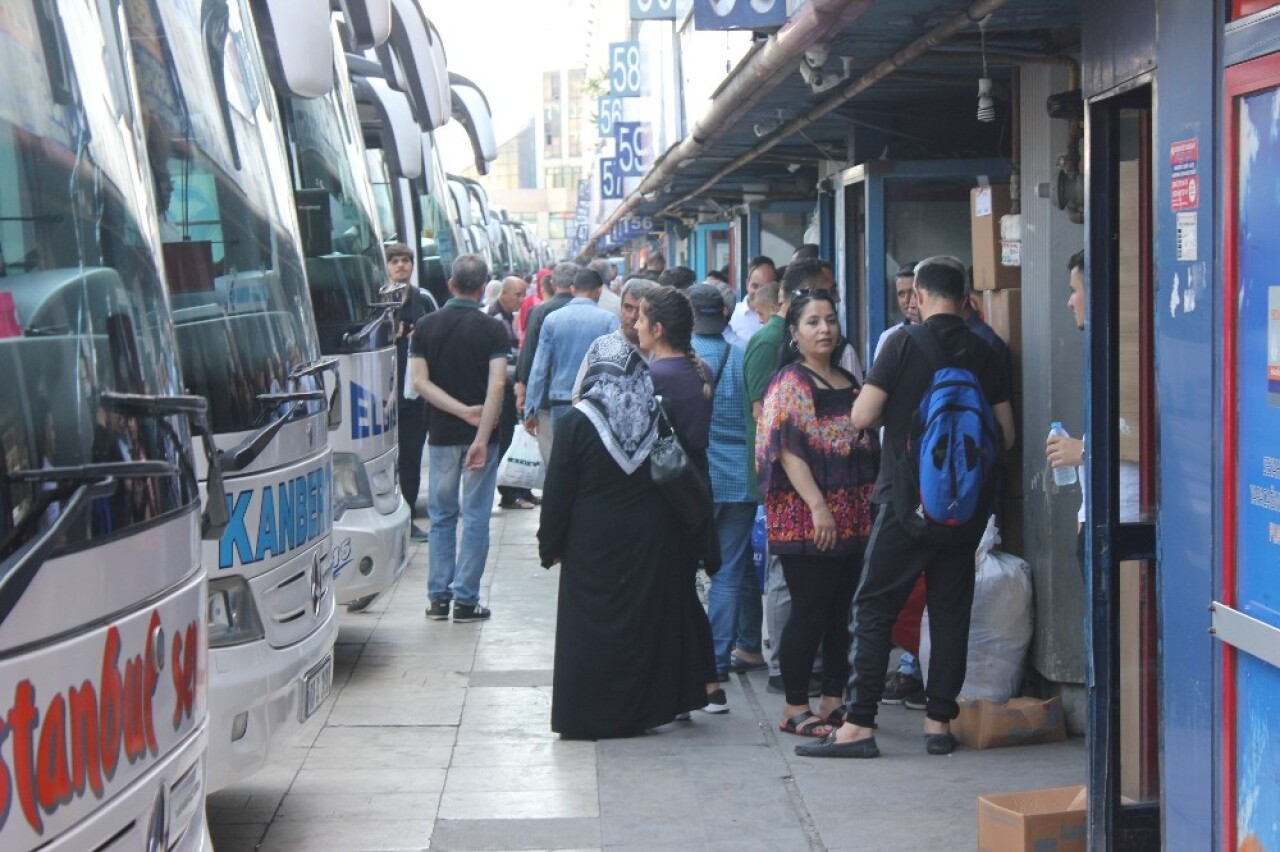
(626, 69)
(634, 143)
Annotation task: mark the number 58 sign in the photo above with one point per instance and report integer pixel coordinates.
(626, 69)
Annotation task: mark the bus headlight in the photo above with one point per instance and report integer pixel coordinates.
(233, 618)
(350, 484)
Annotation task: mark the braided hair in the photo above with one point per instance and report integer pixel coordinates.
(672, 309)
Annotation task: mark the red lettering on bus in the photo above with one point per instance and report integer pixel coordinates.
(86, 760)
(135, 741)
(185, 668)
(23, 717)
(110, 705)
(53, 776)
(151, 673)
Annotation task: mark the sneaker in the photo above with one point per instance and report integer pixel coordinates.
(898, 686)
(439, 610)
(417, 533)
(464, 613)
(915, 701)
(684, 717)
(774, 685)
(717, 702)
(722, 677)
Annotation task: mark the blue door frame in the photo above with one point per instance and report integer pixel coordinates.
(754, 211)
(701, 262)
(875, 177)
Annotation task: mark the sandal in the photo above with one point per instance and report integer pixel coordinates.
(518, 503)
(806, 724)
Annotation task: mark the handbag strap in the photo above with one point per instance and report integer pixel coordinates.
(724, 359)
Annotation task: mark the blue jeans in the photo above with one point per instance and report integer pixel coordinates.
(733, 603)
(454, 573)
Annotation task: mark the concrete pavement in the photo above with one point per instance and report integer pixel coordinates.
(437, 736)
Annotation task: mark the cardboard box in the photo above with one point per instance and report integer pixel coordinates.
(1032, 821)
(986, 205)
(1002, 309)
(1019, 721)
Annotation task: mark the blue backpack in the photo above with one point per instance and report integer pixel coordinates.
(942, 485)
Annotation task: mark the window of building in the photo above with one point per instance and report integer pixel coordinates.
(563, 177)
(551, 147)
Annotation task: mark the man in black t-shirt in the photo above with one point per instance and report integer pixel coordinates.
(458, 361)
(893, 391)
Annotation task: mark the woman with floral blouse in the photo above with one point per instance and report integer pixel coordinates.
(816, 474)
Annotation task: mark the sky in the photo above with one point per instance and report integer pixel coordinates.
(503, 46)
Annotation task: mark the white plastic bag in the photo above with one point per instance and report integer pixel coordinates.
(1000, 626)
(521, 467)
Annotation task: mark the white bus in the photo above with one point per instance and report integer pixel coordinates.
(102, 594)
(247, 342)
(342, 242)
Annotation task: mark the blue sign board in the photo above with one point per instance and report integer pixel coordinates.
(626, 69)
(610, 179)
(608, 114)
(634, 153)
(739, 14)
(653, 10)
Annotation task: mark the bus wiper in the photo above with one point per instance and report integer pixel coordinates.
(17, 572)
(273, 399)
(251, 447)
(334, 419)
(355, 342)
(94, 470)
(215, 516)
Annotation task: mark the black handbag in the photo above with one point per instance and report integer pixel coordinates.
(683, 485)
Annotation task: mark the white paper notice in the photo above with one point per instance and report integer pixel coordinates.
(1186, 227)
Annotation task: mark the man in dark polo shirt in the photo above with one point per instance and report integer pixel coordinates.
(458, 360)
(894, 388)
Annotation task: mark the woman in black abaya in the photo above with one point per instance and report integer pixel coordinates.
(617, 671)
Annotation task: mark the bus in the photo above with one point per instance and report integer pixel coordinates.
(102, 591)
(247, 342)
(342, 244)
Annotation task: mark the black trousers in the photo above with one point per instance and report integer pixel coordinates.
(894, 561)
(821, 591)
(413, 436)
(507, 424)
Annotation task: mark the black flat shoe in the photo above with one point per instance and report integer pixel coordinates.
(939, 743)
(828, 747)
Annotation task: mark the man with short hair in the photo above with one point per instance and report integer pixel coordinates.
(745, 321)
(904, 288)
(562, 280)
(808, 251)
(730, 298)
(504, 309)
(632, 292)
(609, 300)
(895, 558)
(680, 277)
(459, 366)
(654, 265)
(411, 413)
(733, 603)
(562, 344)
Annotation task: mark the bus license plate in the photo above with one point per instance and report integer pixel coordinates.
(316, 686)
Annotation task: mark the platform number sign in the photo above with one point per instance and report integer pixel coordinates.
(634, 148)
(610, 179)
(608, 114)
(626, 69)
(653, 10)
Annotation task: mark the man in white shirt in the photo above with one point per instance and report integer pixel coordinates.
(745, 321)
(903, 286)
(609, 300)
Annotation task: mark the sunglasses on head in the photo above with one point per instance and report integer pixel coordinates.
(814, 292)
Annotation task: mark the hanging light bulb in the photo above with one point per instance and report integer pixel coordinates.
(986, 101)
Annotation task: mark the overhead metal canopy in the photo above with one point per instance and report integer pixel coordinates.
(900, 81)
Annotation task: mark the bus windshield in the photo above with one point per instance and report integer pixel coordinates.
(340, 236)
(82, 307)
(236, 277)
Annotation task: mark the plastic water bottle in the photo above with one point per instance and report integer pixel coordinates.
(1062, 475)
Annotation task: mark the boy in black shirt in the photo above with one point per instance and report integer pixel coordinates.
(893, 391)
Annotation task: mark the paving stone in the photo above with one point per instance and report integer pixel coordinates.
(514, 834)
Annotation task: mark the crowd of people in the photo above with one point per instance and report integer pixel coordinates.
(631, 386)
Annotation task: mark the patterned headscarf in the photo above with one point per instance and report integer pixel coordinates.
(617, 397)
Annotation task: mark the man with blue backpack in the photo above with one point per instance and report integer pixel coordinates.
(943, 400)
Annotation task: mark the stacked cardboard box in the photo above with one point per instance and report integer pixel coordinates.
(1002, 310)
